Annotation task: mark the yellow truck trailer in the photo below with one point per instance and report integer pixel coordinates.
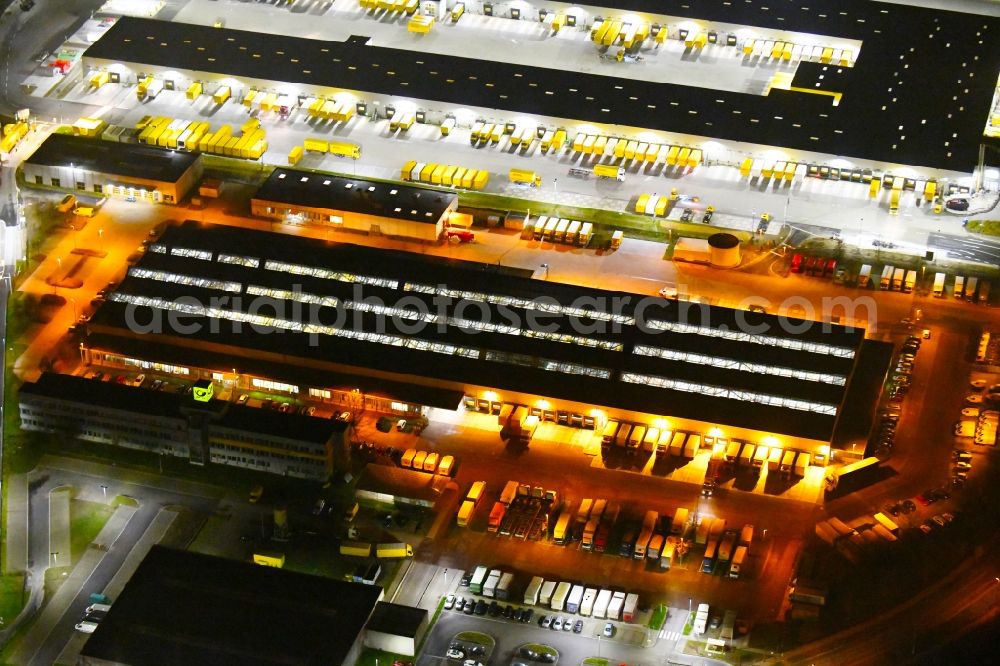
(640, 204)
(222, 94)
(558, 139)
(458, 177)
(469, 178)
(294, 155)
(894, 201)
(525, 177)
(600, 144)
(746, 166)
(630, 149)
(609, 171)
(873, 187)
(404, 173)
(481, 178)
(447, 126)
(477, 130)
(497, 133)
(250, 97)
(457, 11)
(420, 24)
(438, 174)
(578, 142)
(427, 171)
(318, 145)
(98, 79)
(194, 90)
(250, 125)
(930, 189)
(345, 149)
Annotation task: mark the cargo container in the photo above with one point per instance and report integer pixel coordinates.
(680, 521)
(629, 151)
(490, 586)
(532, 591)
(479, 179)
(630, 607)
(548, 233)
(887, 522)
(355, 549)
(601, 604)
(615, 606)
(691, 446)
(560, 534)
(477, 580)
(559, 596)
(609, 171)
(503, 590)
(546, 592)
(650, 439)
(446, 466)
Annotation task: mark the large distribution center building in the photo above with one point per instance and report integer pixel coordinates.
(873, 103)
(113, 169)
(397, 332)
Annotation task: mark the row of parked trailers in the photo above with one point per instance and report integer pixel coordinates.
(851, 542)
(557, 230)
(606, 32)
(781, 50)
(640, 151)
(408, 7)
(166, 132)
(444, 174)
(601, 604)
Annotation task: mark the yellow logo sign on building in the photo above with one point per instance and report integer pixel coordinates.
(203, 390)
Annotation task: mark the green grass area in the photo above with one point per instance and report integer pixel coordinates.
(658, 618)
(372, 657)
(11, 601)
(476, 637)
(596, 661)
(86, 521)
(689, 624)
(987, 227)
(124, 500)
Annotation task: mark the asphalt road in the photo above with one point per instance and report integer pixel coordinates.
(45, 649)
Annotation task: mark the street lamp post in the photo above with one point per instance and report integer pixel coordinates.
(104, 489)
(55, 557)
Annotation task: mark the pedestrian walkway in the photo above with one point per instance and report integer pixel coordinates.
(16, 529)
(153, 534)
(59, 528)
(56, 607)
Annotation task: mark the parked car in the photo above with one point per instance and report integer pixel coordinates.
(544, 621)
(557, 624)
(449, 602)
(609, 630)
(454, 653)
(459, 236)
(578, 627)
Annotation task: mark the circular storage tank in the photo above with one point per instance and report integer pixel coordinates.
(724, 250)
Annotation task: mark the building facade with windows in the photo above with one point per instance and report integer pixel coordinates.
(171, 424)
(106, 168)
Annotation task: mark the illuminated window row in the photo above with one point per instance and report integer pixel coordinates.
(469, 324)
(298, 326)
(204, 255)
(740, 336)
(320, 393)
(236, 260)
(722, 392)
(298, 296)
(176, 278)
(158, 249)
(324, 273)
(539, 305)
(147, 365)
(547, 364)
(269, 385)
(733, 364)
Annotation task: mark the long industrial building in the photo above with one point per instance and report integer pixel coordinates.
(353, 204)
(171, 424)
(122, 170)
(875, 104)
(397, 332)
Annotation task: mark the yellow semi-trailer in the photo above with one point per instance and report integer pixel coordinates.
(394, 120)
(525, 177)
(250, 125)
(547, 140)
(393, 550)
(585, 231)
(258, 150)
(294, 155)
(230, 147)
(222, 94)
(600, 143)
(404, 173)
(630, 149)
(640, 151)
(640, 204)
(682, 158)
(197, 136)
(449, 173)
(355, 548)
(345, 149)
(559, 139)
(497, 133)
(458, 177)
(620, 148)
(599, 30)
(469, 178)
(612, 34)
(486, 132)
(477, 129)
(249, 98)
(578, 142)
(672, 155)
(194, 90)
(240, 147)
(404, 124)
(745, 167)
(652, 152)
(447, 126)
(425, 173)
(480, 179)
(438, 174)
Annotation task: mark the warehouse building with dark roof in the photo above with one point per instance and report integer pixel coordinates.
(182, 607)
(429, 332)
(353, 204)
(920, 100)
(107, 168)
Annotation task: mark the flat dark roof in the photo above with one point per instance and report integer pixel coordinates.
(396, 619)
(355, 195)
(463, 323)
(138, 400)
(930, 72)
(181, 607)
(118, 159)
